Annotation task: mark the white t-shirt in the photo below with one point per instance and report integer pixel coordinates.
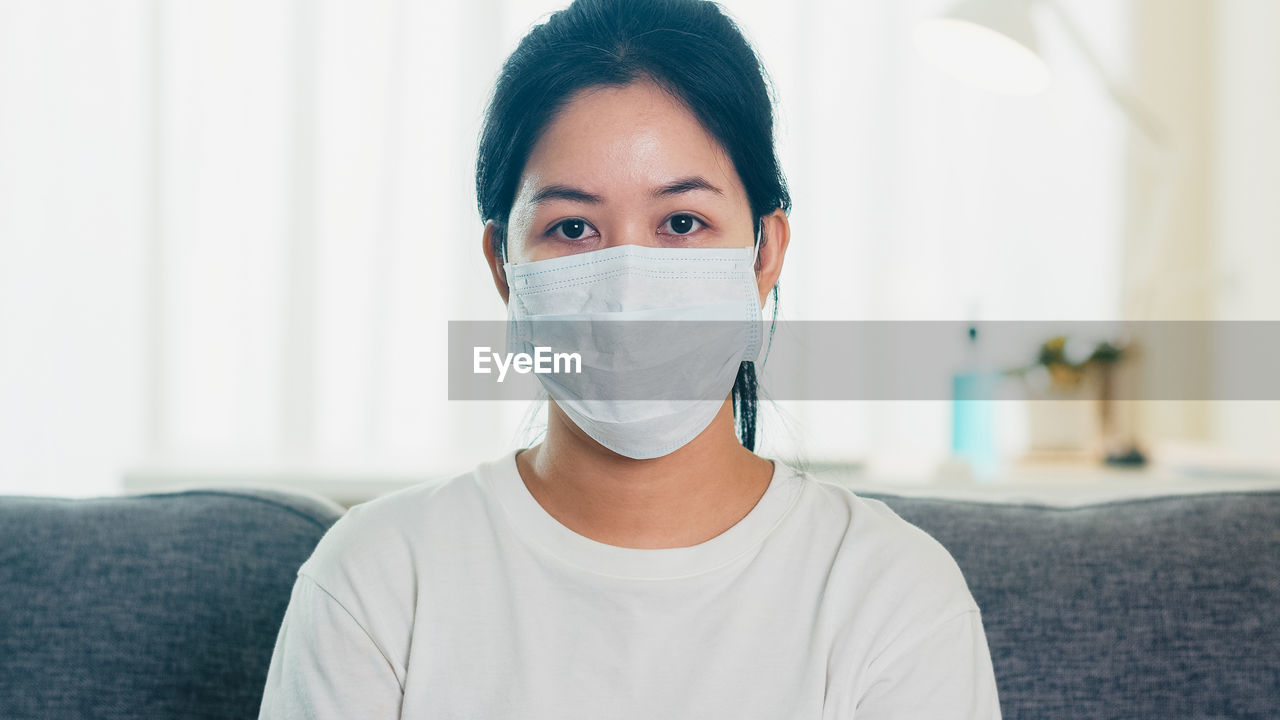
(466, 599)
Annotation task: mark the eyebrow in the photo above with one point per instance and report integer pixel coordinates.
(686, 184)
(573, 194)
(564, 192)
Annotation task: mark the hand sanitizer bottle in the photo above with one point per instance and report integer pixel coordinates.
(973, 415)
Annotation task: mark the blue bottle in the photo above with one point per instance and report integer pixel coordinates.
(973, 414)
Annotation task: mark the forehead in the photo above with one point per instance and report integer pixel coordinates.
(623, 136)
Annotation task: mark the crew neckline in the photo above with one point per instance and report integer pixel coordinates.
(535, 525)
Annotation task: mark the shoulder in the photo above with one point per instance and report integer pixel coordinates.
(372, 561)
(888, 581)
(381, 545)
(887, 561)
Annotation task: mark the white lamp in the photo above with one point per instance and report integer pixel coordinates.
(992, 44)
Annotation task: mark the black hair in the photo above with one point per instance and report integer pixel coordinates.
(691, 49)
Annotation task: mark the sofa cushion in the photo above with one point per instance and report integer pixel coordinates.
(1164, 607)
(151, 606)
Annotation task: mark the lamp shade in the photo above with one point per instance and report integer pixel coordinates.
(988, 43)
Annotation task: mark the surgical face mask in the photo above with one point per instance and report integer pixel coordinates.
(660, 332)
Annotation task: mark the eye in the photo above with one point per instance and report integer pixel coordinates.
(571, 229)
(683, 224)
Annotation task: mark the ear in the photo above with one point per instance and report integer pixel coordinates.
(495, 263)
(777, 234)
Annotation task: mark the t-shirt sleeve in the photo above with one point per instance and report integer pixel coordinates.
(325, 665)
(943, 671)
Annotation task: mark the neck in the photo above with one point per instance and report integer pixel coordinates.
(677, 500)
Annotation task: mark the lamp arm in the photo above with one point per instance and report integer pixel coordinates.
(1143, 117)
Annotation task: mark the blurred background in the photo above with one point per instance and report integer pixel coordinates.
(232, 233)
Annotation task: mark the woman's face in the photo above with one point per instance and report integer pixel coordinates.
(626, 165)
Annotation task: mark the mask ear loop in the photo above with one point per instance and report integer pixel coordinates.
(755, 255)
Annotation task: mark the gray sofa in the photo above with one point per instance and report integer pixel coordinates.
(168, 605)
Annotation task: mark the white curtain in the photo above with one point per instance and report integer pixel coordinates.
(232, 233)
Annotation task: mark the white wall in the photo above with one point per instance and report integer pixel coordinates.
(73, 233)
(1246, 193)
(915, 196)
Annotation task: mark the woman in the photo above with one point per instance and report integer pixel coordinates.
(633, 564)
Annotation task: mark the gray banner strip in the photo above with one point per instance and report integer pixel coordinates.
(880, 360)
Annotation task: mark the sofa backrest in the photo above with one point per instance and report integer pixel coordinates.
(151, 606)
(1164, 607)
(168, 605)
